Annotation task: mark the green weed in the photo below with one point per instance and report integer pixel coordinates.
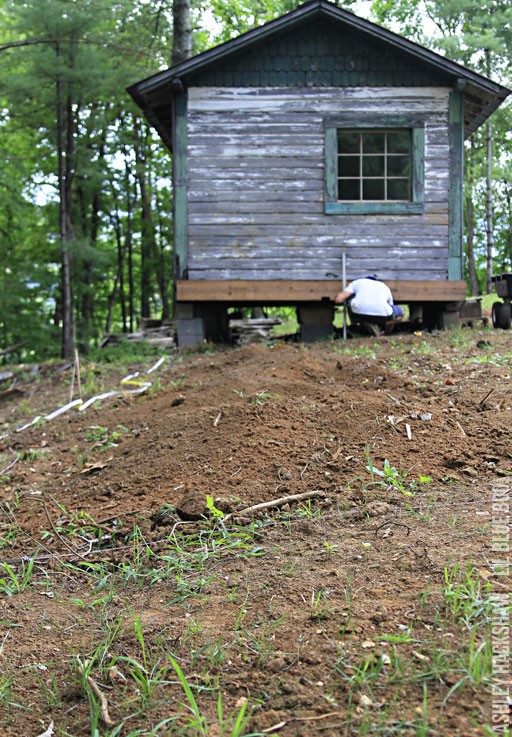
(15, 581)
(466, 597)
(232, 725)
(319, 607)
(391, 477)
(103, 436)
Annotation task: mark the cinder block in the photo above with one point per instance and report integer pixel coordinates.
(190, 332)
(311, 333)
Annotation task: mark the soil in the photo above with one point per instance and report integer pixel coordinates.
(327, 613)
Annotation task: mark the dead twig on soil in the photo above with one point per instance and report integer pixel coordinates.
(57, 533)
(481, 403)
(461, 429)
(7, 468)
(280, 725)
(277, 503)
(99, 695)
(388, 524)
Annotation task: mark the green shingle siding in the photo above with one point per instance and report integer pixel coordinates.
(320, 57)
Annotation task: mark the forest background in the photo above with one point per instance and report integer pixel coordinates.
(86, 243)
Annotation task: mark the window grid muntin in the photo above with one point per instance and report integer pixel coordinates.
(362, 155)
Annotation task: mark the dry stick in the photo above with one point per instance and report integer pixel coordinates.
(392, 522)
(72, 386)
(11, 464)
(64, 542)
(282, 724)
(482, 401)
(101, 696)
(462, 432)
(77, 364)
(277, 502)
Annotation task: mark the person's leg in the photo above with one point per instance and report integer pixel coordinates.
(398, 313)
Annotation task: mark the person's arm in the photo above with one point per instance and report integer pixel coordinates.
(390, 300)
(343, 296)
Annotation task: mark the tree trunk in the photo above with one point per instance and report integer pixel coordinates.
(488, 192)
(488, 209)
(122, 249)
(146, 225)
(151, 263)
(182, 36)
(65, 147)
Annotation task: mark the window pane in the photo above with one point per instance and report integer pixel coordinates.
(399, 142)
(398, 166)
(398, 189)
(373, 142)
(348, 166)
(373, 189)
(373, 166)
(348, 189)
(348, 142)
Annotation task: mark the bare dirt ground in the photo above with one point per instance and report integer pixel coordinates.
(363, 609)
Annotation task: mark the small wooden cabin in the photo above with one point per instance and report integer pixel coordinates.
(316, 135)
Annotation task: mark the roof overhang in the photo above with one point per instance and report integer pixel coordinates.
(155, 94)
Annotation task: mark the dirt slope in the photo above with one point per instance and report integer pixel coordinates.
(337, 579)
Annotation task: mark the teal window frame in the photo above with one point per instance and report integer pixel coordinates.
(415, 205)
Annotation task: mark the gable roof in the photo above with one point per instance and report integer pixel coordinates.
(482, 96)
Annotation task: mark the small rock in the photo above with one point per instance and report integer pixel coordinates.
(192, 506)
(284, 474)
(277, 664)
(176, 401)
(365, 701)
(375, 509)
(379, 615)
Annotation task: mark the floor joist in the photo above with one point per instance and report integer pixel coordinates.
(292, 291)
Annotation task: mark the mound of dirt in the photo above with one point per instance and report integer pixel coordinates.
(393, 447)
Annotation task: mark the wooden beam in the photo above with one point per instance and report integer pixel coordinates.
(293, 291)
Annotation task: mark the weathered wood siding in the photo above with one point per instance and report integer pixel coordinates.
(256, 187)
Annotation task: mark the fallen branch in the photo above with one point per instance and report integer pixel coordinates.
(482, 401)
(462, 431)
(277, 503)
(99, 695)
(11, 348)
(280, 725)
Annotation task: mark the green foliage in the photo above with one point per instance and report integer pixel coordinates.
(393, 478)
(13, 581)
(85, 54)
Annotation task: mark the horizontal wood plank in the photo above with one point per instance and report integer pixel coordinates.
(256, 187)
(290, 291)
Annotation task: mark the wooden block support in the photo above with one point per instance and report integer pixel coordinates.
(291, 291)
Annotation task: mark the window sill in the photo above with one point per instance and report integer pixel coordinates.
(373, 208)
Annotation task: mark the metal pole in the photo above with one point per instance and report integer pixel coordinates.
(344, 281)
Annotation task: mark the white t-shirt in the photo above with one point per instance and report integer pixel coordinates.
(371, 297)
